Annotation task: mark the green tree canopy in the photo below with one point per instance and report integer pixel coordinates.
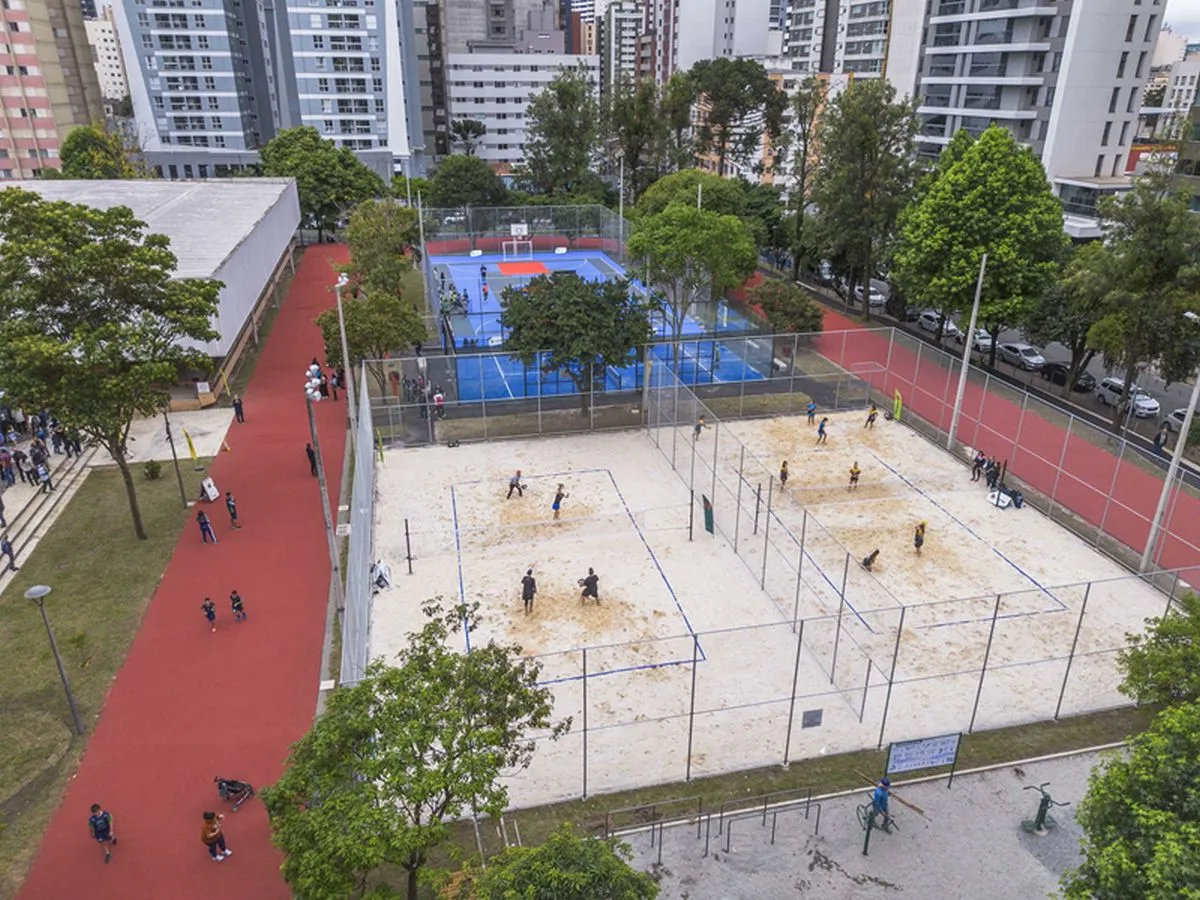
(740, 106)
(1141, 817)
(994, 199)
(865, 176)
(1149, 265)
(764, 215)
(565, 866)
(787, 306)
(465, 181)
(1070, 306)
(468, 133)
(1161, 666)
(562, 126)
(379, 321)
(724, 196)
(806, 105)
(679, 142)
(636, 130)
(690, 253)
(329, 179)
(92, 320)
(563, 323)
(402, 754)
(384, 240)
(92, 151)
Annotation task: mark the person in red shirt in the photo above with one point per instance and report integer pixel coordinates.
(213, 837)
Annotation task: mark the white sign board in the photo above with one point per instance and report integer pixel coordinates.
(927, 753)
(519, 230)
(210, 490)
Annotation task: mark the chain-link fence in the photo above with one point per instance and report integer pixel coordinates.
(356, 617)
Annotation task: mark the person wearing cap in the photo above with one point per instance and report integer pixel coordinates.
(879, 803)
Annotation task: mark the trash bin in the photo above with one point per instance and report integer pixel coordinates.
(1018, 499)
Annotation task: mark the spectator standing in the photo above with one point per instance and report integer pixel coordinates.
(213, 837)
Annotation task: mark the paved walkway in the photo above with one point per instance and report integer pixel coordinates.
(189, 704)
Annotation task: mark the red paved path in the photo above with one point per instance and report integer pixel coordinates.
(189, 704)
(1033, 448)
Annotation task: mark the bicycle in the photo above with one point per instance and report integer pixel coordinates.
(867, 818)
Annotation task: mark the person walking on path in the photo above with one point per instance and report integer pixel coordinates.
(528, 590)
(100, 824)
(514, 484)
(783, 474)
(239, 607)
(238, 412)
(590, 585)
(811, 412)
(879, 804)
(312, 459)
(231, 505)
(977, 465)
(213, 837)
(210, 612)
(6, 549)
(559, 496)
(206, 529)
(821, 435)
(43, 475)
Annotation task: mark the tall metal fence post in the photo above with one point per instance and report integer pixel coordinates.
(539, 395)
(1020, 427)
(791, 368)
(762, 583)
(692, 704)
(1074, 643)
(887, 700)
(737, 516)
(837, 637)
(692, 490)
(887, 366)
(713, 494)
(987, 651)
(408, 547)
(799, 567)
(862, 709)
(585, 724)
(1111, 488)
(787, 743)
(1062, 461)
(757, 505)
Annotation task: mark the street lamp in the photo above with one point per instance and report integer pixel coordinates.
(348, 387)
(1173, 469)
(37, 594)
(312, 394)
(175, 457)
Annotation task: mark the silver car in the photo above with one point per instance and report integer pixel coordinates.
(1022, 355)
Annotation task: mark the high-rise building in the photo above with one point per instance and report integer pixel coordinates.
(106, 51)
(676, 34)
(472, 24)
(48, 84)
(618, 44)
(215, 81)
(88, 7)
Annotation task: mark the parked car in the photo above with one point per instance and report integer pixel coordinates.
(878, 301)
(982, 341)
(825, 272)
(1056, 373)
(931, 318)
(1174, 422)
(1022, 355)
(1109, 393)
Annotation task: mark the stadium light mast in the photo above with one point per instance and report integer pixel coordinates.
(966, 357)
(312, 394)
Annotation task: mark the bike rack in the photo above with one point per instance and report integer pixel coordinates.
(806, 804)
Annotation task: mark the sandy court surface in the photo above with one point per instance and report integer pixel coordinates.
(737, 607)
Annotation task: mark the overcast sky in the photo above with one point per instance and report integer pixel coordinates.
(1184, 17)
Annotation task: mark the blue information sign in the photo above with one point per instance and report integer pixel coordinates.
(927, 753)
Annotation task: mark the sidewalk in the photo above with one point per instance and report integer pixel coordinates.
(189, 704)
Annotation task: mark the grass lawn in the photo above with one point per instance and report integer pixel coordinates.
(103, 578)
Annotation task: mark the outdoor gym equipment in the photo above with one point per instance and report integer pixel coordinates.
(1042, 821)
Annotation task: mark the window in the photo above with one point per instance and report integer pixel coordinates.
(210, 83)
(1121, 64)
(1129, 30)
(314, 20)
(1112, 101)
(988, 64)
(214, 102)
(1099, 165)
(202, 41)
(1140, 65)
(1116, 169)
(1124, 134)
(994, 31)
(1131, 105)
(327, 126)
(1150, 28)
(143, 20)
(323, 85)
(318, 42)
(1107, 132)
(217, 123)
(319, 62)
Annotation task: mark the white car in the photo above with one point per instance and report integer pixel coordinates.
(1022, 355)
(982, 341)
(930, 319)
(877, 298)
(1174, 422)
(1111, 389)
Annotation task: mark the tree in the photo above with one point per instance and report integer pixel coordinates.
(740, 105)
(688, 253)
(1161, 666)
(787, 306)
(465, 181)
(993, 199)
(1141, 817)
(379, 321)
(1069, 308)
(384, 240)
(91, 151)
(865, 176)
(582, 868)
(764, 215)
(807, 103)
(467, 132)
(679, 143)
(396, 758)
(636, 129)
(404, 187)
(561, 131)
(92, 319)
(1150, 247)
(563, 323)
(329, 179)
(687, 186)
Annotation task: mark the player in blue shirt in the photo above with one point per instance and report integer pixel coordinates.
(100, 824)
(879, 803)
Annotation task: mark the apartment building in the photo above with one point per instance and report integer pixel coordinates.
(216, 80)
(838, 36)
(48, 84)
(676, 34)
(1179, 92)
(106, 51)
(618, 34)
(494, 84)
(472, 24)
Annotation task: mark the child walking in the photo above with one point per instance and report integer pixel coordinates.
(100, 824)
(231, 505)
(206, 529)
(239, 608)
(210, 612)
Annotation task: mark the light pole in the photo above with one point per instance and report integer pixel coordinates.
(312, 394)
(348, 387)
(175, 459)
(1173, 469)
(37, 594)
(966, 357)
(621, 205)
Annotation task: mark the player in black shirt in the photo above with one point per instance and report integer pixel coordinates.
(590, 585)
(528, 589)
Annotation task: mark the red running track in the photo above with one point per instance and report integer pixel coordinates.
(1034, 446)
(188, 704)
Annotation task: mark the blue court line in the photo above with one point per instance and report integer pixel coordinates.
(462, 590)
(808, 556)
(971, 532)
(701, 656)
